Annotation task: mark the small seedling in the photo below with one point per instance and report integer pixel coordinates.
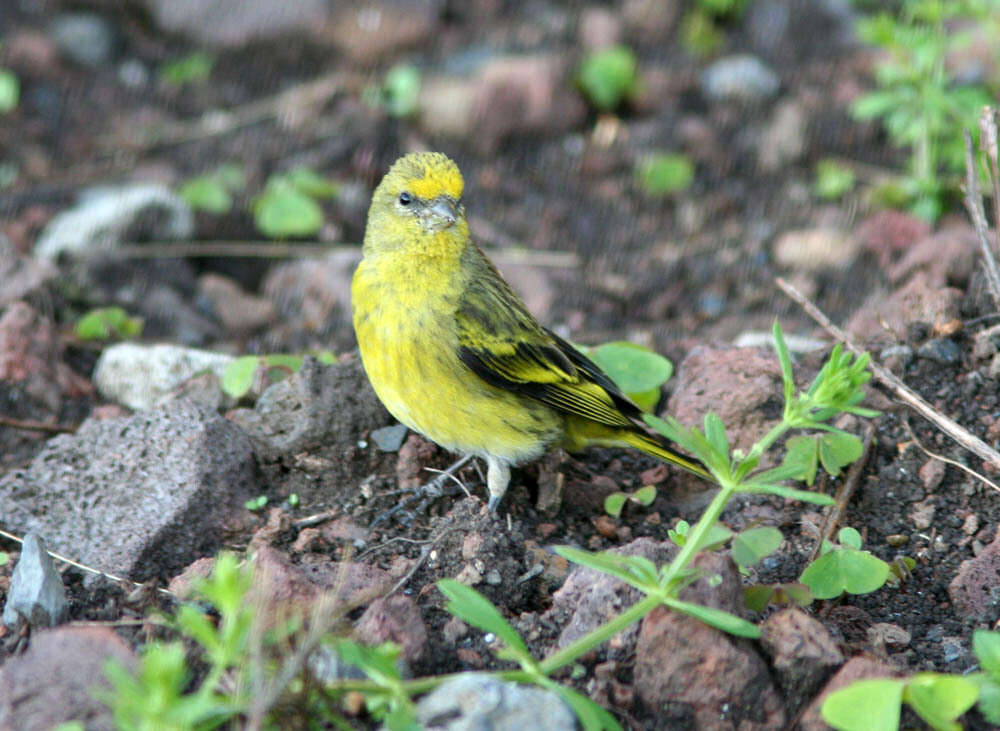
(288, 206)
(615, 502)
(399, 93)
(213, 192)
(833, 180)
(10, 91)
(254, 373)
(759, 596)
(108, 322)
(845, 568)
(609, 77)
(664, 173)
(194, 67)
(257, 503)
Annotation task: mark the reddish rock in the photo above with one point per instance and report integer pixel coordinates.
(693, 675)
(857, 668)
(394, 619)
(884, 317)
(742, 385)
(54, 681)
(238, 311)
(370, 31)
(975, 589)
(888, 233)
(931, 473)
(802, 652)
(950, 255)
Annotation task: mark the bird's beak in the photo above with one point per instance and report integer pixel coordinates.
(442, 213)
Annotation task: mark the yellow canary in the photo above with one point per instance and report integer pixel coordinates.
(453, 352)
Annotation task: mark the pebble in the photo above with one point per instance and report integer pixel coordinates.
(742, 77)
(940, 350)
(86, 38)
(36, 595)
(389, 438)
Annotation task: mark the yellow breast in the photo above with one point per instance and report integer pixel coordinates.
(404, 322)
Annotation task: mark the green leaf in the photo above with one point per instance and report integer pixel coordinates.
(614, 503)
(645, 495)
(473, 608)
(608, 77)
(715, 433)
(636, 571)
(107, 322)
(636, 370)
(839, 449)
(10, 91)
(206, 193)
(752, 545)
(282, 211)
(865, 705)
(664, 173)
(816, 498)
(986, 646)
(802, 457)
(833, 180)
(940, 699)
(591, 716)
(849, 537)
(989, 699)
(716, 537)
(308, 181)
(401, 90)
(758, 596)
(845, 570)
(717, 618)
(237, 378)
(194, 67)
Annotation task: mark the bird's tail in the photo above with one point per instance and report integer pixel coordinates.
(651, 445)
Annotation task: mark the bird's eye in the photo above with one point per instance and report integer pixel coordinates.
(405, 198)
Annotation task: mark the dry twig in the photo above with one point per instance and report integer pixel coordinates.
(974, 204)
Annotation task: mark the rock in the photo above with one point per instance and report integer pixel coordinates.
(885, 317)
(368, 32)
(815, 249)
(941, 350)
(314, 292)
(598, 28)
(142, 376)
(802, 652)
(742, 385)
(739, 78)
(319, 405)
(394, 619)
(22, 277)
(590, 598)
(889, 233)
(86, 38)
(692, 675)
(389, 438)
(922, 515)
(224, 23)
(36, 596)
(106, 217)
(783, 140)
(238, 311)
(975, 590)
(882, 635)
(140, 497)
(857, 668)
(54, 682)
(32, 360)
(509, 95)
(650, 20)
(470, 701)
(932, 473)
(950, 255)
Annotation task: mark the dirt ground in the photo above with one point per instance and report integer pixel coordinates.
(675, 273)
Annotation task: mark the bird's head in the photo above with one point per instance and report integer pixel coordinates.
(419, 198)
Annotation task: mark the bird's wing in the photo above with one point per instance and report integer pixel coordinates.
(503, 344)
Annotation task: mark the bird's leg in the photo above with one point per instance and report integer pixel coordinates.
(427, 493)
(497, 479)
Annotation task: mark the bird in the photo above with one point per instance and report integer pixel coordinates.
(453, 352)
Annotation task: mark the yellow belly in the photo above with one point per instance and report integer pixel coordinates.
(409, 349)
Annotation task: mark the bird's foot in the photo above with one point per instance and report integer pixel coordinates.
(445, 484)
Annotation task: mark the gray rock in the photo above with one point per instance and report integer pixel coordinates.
(141, 376)
(389, 438)
(940, 350)
(142, 496)
(36, 595)
(233, 22)
(470, 702)
(741, 77)
(86, 38)
(54, 681)
(318, 405)
(106, 217)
